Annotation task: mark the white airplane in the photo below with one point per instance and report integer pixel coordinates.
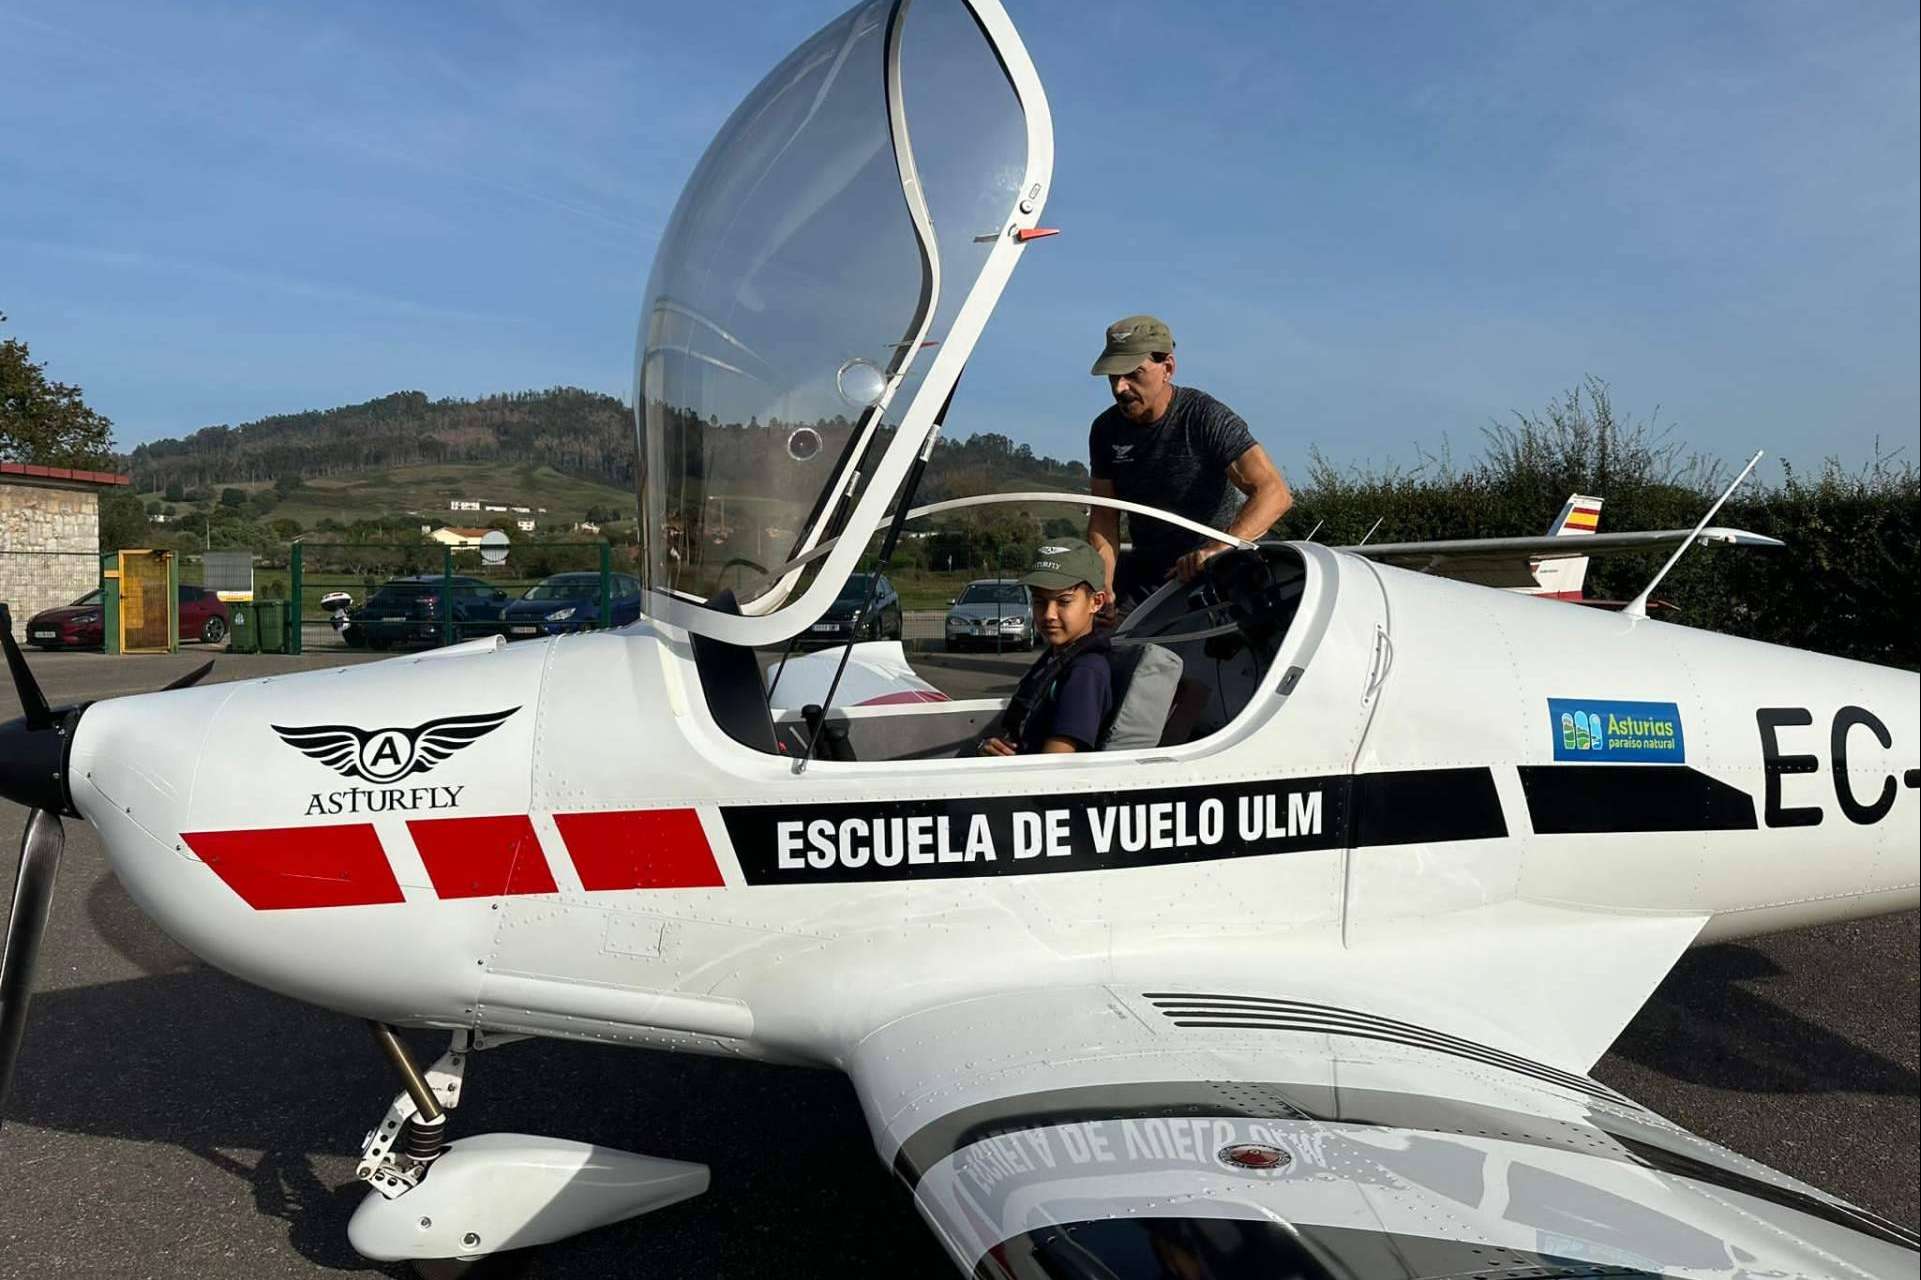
(1302, 974)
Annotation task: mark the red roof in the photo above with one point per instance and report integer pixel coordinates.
(106, 479)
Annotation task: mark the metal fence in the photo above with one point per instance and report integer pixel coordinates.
(382, 595)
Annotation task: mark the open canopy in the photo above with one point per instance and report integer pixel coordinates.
(827, 269)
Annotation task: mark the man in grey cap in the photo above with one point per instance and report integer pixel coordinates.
(1177, 449)
(1064, 701)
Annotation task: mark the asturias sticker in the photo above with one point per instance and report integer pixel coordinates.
(1602, 730)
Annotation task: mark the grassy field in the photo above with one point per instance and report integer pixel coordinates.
(426, 491)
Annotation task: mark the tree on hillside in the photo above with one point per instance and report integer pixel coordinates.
(234, 498)
(123, 521)
(176, 492)
(287, 483)
(46, 422)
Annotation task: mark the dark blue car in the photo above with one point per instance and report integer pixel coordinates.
(569, 602)
(411, 610)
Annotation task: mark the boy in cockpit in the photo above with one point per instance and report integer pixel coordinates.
(1065, 699)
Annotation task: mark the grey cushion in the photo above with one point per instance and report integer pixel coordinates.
(1145, 677)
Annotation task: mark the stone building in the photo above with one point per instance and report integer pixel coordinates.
(49, 535)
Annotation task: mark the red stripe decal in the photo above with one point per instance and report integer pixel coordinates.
(482, 857)
(903, 697)
(639, 849)
(277, 868)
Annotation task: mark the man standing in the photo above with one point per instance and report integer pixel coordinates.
(1177, 449)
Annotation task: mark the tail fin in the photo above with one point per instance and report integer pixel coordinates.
(1563, 579)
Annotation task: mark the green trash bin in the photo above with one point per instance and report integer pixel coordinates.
(243, 629)
(270, 621)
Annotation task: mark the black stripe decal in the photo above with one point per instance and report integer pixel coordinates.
(1386, 1037)
(1328, 1019)
(1002, 835)
(1422, 806)
(1134, 1248)
(1602, 1135)
(1596, 799)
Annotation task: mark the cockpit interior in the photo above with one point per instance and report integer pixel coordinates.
(1185, 663)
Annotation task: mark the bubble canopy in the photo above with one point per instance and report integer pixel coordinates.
(828, 267)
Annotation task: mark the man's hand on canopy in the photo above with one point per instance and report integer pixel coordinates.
(1189, 565)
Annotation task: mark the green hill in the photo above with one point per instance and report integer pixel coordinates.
(426, 491)
(565, 449)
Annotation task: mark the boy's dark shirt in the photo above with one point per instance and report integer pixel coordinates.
(1180, 465)
(1071, 700)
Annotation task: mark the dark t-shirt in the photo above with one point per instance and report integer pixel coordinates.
(1071, 703)
(1178, 464)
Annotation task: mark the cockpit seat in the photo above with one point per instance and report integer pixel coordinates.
(1145, 677)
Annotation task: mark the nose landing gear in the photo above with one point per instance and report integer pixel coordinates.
(439, 1204)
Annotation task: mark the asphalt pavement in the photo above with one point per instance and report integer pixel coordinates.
(167, 1120)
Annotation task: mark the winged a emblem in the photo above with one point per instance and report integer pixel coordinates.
(387, 755)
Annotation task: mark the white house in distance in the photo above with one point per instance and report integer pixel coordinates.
(463, 504)
(454, 536)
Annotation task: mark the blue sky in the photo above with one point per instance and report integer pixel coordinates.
(1370, 226)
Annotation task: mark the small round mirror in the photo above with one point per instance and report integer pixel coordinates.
(860, 383)
(803, 443)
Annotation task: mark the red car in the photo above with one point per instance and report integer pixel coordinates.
(203, 617)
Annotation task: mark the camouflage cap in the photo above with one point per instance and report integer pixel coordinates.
(1130, 341)
(1066, 562)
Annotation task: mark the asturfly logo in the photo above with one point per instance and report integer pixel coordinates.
(1594, 730)
(382, 756)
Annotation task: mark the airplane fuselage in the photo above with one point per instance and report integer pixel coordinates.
(1423, 758)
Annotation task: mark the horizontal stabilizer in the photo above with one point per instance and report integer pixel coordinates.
(1508, 562)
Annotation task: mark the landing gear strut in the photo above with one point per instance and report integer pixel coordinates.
(438, 1203)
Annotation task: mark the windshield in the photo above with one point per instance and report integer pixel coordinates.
(994, 593)
(817, 253)
(92, 597)
(566, 589)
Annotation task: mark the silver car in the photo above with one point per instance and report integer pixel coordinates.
(993, 613)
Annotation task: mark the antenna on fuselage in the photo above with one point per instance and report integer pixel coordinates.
(1371, 530)
(1638, 607)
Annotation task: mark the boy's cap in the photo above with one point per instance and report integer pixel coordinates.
(1131, 341)
(1066, 562)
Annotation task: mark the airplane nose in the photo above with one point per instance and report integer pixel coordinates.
(33, 762)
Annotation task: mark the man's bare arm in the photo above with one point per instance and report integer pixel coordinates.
(1268, 496)
(1268, 499)
(1104, 529)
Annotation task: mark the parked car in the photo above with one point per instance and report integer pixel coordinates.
(992, 613)
(836, 626)
(81, 625)
(569, 602)
(410, 609)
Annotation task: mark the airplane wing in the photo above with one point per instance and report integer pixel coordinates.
(1239, 1129)
(1508, 562)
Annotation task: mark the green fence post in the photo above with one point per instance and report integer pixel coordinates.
(606, 586)
(446, 595)
(173, 601)
(296, 607)
(110, 602)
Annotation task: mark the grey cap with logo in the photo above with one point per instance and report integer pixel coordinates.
(1064, 563)
(1130, 341)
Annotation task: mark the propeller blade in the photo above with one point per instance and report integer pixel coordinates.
(193, 677)
(33, 703)
(40, 848)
